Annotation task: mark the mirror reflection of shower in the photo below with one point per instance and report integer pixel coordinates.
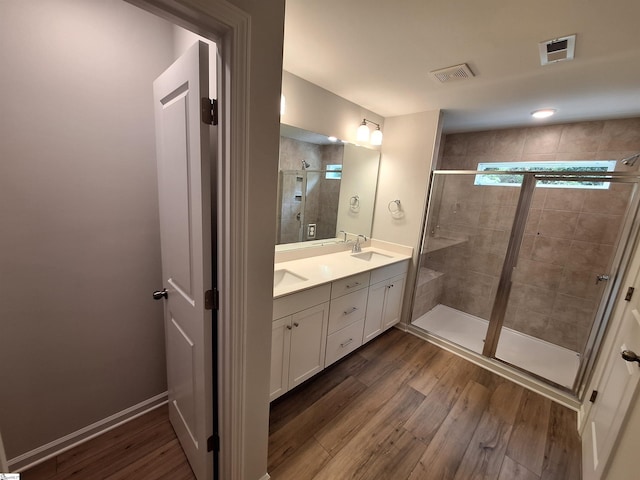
(308, 204)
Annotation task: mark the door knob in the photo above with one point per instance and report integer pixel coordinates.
(158, 294)
(629, 356)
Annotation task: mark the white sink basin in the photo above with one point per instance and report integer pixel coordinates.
(284, 278)
(369, 256)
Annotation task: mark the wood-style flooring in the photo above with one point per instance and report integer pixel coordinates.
(146, 448)
(401, 408)
(398, 408)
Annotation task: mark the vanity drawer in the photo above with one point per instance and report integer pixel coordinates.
(347, 309)
(393, 270)
(343, 342)
(349, 284)
(295, 302)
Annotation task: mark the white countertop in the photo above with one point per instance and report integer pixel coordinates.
(302, 273)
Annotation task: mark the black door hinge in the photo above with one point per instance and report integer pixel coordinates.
(593, 397)
(629, 294)
(211, 299)
(209, 108)
(213, 443)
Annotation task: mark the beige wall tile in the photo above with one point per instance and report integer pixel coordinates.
(581, 137)
(551, 250)
(573, 310)
(526, 247)
(564, 199)
(538, 157)
(509, 141)
(539, 197)
(598, 228)
(623, 134)
(589, 255)
(500, 195)
(557, 223)
(531, 323)
(561, 333)
(480, 143)
(581, 283)
(543, 139)
(538, 300)
(497, 216)
(538, 274)
(612, 201)
(455, 144)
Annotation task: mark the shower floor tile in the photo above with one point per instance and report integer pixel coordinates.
(544, 359)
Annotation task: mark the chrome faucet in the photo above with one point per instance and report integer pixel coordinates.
(357, 248)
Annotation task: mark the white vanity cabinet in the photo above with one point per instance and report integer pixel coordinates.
(384, 303)
(298, 339)
(346, 316)
(316, 327)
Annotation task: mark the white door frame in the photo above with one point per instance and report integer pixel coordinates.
(229, 27)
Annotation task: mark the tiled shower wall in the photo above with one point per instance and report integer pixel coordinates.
(321, 206)
(570, 234)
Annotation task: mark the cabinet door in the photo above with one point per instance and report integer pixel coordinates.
(393, 301)
(375, 306)
(308, 342)
(280, 348)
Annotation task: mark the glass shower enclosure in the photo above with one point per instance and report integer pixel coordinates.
(522, 267)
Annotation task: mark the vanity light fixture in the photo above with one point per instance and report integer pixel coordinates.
(283, 105)
(363, 133)
(543, 113)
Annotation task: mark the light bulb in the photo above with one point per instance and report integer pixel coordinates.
(376, 137)
(283, 105)
(545, 113)
(363, 132)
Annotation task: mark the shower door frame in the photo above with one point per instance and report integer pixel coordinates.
(624, 247)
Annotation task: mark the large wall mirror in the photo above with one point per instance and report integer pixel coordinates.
(324, 186)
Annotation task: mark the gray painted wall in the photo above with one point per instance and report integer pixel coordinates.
(79, 238)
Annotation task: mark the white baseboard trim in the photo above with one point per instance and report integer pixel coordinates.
(266, 477)
(60, 445)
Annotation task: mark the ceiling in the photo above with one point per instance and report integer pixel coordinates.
(378, 54)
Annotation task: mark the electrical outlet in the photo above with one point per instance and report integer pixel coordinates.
(311, 230)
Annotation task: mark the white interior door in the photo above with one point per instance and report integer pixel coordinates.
(182, 143)
(615, 393)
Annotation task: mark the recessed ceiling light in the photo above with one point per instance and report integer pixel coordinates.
(544, 113)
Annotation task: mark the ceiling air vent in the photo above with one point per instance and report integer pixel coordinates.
(450, 74)
(557, 50)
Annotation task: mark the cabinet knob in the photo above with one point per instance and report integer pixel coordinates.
(288, 327)
(296, 324)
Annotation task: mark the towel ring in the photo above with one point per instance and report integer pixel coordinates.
(397, 208)
(354, 203)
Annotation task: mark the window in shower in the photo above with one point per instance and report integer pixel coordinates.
(334, 172)
(514, 180)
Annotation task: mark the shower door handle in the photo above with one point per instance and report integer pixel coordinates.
(601, 278)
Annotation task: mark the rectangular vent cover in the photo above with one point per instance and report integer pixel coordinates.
(449, 74)
(557, 50)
